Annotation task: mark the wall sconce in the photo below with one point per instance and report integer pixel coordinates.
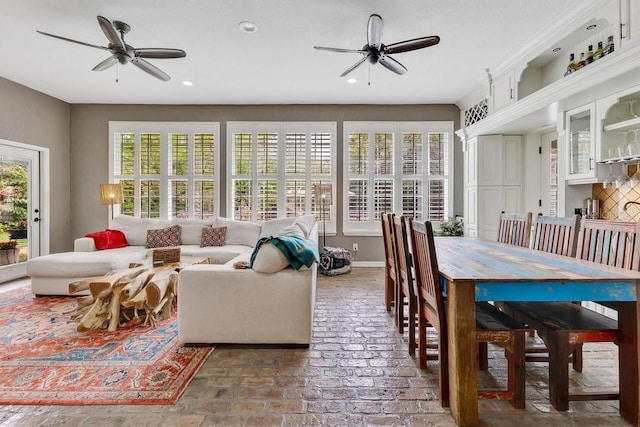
(111, 194)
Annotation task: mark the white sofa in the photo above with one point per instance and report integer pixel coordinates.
(51, 274)
(221, 304)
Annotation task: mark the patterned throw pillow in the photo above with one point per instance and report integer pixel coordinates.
(213, 236)
(164, 237)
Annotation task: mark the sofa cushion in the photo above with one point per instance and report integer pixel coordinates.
(135, 229)
(213, 236)
(84, 264)
(306, 223)
(273, 227)
(191, 229)
(163, 237)
(217, 254)
(239, 232)
(293, 229)
(269, 259)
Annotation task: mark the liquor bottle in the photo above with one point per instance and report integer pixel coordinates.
(582, 63)
(590, 55)
(599, 53)
(609, 48)
(572, 65)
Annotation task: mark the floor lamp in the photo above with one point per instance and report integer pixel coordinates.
(322, 193)
(111, 194)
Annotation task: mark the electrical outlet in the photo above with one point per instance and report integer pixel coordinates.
(355, 247)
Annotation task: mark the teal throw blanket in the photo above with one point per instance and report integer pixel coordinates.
(297, 250)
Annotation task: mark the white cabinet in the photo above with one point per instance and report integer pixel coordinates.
(493, 178)
(581, 145)
(503, 90)
(630, 21)
(618, 126)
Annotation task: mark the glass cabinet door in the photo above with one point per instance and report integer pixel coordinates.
(580, 141)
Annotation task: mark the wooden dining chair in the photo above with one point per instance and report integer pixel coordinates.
(514, 229)
(612, 243)
(556, 235)
(565, 327)
(390, 271)
(492, 325)
(405, 290)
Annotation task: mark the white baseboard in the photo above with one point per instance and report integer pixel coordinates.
(357, 264)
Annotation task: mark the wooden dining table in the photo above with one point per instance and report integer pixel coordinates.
(480, 270)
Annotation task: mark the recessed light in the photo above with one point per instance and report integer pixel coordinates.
(248, 27)
(351, 80)
(591, 27)
(187, 83)
(556, 49)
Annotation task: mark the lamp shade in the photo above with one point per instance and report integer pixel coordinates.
(110, 194)
(323, 193)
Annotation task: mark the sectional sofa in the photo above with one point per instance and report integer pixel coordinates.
(51, 274)
(270, 303)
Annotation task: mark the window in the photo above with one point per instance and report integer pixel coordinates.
(167, 170)
(273, 168)
(401, 167)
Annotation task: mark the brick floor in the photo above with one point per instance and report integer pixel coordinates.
(357, 372)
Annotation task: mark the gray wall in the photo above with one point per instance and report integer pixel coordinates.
(30, 117)
(90, 149)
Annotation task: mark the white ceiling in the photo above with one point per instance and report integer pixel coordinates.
(277, 64)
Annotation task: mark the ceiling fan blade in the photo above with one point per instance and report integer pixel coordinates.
(110, 32)
(391, 64)
(354, 66)
(107, 63)
(336, 49)
(71, 40)
(412, 44)
(374, 30)
(151, 69)
(159, 53)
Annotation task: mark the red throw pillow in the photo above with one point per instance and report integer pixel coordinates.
(108, 239)
(100, 239)
(116, 239)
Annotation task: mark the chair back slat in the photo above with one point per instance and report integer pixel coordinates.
(612, 243)
(391, 272)
(403, 256)
(514, 229)
(389, 251)
(555, 235)
(430, 296)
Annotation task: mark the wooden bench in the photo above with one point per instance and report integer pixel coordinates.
(564, 327)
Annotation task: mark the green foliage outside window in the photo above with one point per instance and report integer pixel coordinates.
(13, 185)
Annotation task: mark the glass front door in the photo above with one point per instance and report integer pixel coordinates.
(19, 209)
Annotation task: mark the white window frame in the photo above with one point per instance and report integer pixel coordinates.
(372, 227)
(165, 129)
(281, 129)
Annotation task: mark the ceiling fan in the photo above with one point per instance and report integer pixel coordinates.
(123, 53)
(376, 52)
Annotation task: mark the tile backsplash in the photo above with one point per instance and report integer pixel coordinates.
(612, 200)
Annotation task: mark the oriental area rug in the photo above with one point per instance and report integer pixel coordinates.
(45, 361)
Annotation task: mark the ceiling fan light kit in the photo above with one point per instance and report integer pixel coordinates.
(375, 52)
(123, 53)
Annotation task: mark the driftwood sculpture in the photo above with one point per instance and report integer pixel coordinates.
(123, 297)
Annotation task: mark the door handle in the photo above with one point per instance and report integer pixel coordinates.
(36, 219)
